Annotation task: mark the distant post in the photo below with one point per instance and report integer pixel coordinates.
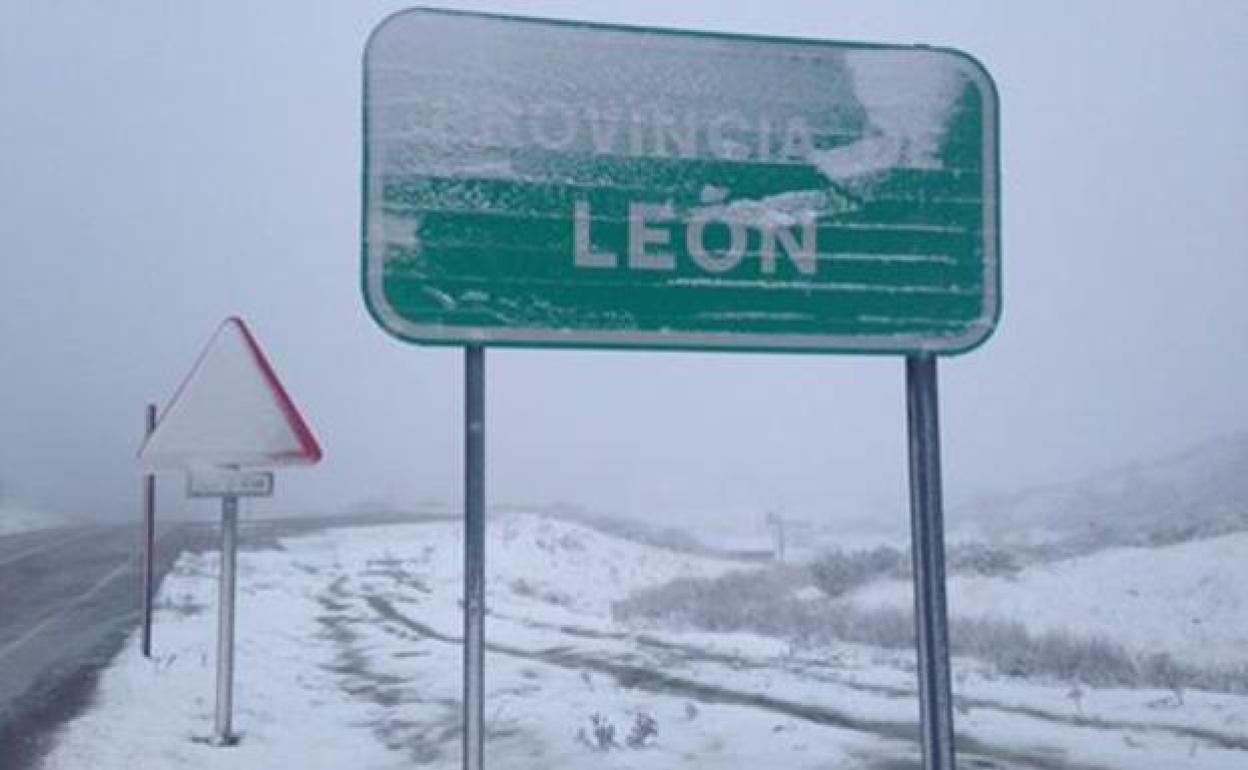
(777, 522)
(149, 542)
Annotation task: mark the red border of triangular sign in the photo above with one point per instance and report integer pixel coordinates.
(309, 449)
(309, 452)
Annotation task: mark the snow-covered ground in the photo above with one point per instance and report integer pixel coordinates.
(16, 518)
(349, 656)
(1187, 600)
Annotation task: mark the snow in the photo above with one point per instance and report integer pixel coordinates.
(783, 210)
(908, 100)
(764, 283)
(1186, 600)
(349, 656)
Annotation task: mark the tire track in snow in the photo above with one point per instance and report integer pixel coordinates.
(696, 654)
(974, 752)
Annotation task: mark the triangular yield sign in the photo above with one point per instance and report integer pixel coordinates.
(230, 411)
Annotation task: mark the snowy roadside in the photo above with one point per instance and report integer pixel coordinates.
(349, 657)
(1185, 600)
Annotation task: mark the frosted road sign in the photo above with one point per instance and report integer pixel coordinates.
(544, 183)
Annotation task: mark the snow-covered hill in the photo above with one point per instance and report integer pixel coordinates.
(1188, 600)
(1199, 492)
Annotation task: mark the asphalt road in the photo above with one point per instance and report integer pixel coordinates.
(69, 599)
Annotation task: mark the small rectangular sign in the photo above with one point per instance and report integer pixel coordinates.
(530, 182)
(229, 483)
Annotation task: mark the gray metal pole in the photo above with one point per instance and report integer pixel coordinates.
(928, 543)
(474, 558)
(223, 734)
(149, 544)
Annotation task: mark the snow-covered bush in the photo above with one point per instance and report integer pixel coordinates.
(644, 733)
(836, 573)
(741, 600)
(839, 572)
(765, 602)
(1056, 654)
(982, 559)
(600, 735)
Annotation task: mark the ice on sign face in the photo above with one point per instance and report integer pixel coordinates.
(231, 410)
(540, 183)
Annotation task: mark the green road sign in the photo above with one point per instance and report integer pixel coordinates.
(544, 183)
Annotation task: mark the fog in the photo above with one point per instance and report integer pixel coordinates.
(166, 166)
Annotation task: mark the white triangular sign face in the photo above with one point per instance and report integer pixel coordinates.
(230, 411)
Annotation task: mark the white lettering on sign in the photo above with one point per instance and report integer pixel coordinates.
(715, 263)
(636, 131)
(584, 254)
(650, 241)
(641, 235)
(554, 127)
(802, 252)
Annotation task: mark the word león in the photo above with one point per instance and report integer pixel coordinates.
(650, 244)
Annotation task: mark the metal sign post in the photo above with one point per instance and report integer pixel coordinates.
(474, 557)
(928, 545)
(223, 732)
(149, 544)
(229, 484)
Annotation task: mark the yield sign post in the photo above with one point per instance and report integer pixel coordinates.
(230, 417)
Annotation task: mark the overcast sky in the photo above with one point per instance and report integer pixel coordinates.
(165, 165)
